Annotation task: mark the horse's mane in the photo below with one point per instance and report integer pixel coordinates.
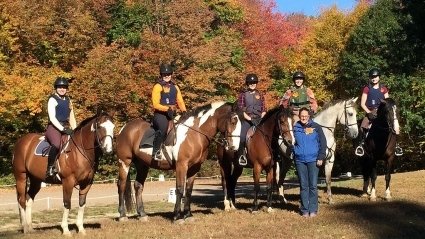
(86, 121)
(332, 103)
(198, 110)
(270, 113)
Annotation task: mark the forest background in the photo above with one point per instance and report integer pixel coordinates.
(111, 50)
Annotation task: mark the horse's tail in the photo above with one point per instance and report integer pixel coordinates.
(128, 195)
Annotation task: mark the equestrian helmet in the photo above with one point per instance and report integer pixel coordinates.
(298, 75)
(251, 79)
(374, 73)
(61, 81)
(165, 69)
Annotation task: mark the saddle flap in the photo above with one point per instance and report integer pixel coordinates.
(148, 138)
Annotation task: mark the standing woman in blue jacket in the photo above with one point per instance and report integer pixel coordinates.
(309, 152)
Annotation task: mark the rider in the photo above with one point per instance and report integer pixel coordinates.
(372, 95)
(298, 96)
(165, 96)
(252, 103)
(61, 120)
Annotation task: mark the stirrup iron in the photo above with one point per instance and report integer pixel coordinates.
(359, 151)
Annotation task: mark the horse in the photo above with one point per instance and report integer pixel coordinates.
(76, 164)
(194, 132)
(379, 145)
(262, 141)
(343, 112)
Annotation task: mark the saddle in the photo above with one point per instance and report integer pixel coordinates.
(149, 136)
(43, 147)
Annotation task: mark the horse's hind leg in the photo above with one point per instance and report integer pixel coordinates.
(328, 174)
(21, 188)
(269, 183)
(34, 188)
(124, 189)
(139, 183)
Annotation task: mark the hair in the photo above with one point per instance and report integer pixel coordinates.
(304, 109)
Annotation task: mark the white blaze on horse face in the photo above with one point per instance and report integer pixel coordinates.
(396, 124)
(291, 129)
(107, 142)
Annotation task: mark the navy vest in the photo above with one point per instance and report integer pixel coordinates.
(63, 109)
(253, 103)
(374, 97)
(168, 93)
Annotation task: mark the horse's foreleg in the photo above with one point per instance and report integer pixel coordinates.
(124, 189)
(225, 171)
(139, 184)
(187, 213)
(328, 174)
(67, 186)
(21, 188)
(237, 172)
(181, 171)
(269, 183)
(82, 204)
(257, 171)
(388, 179)
(373, 177)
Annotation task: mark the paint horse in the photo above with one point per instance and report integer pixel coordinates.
(77, 165)
(193, 132)
(262, 147)
(343, 112)
(380, 144)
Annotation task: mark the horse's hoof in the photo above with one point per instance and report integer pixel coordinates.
(270, 210)
(331, 201)
(179, 221)
(143, 219)
(123, 219)
(364, 195)
(82, 232)
(67, 233)
(190, 219)
(372, 199)
(388, 199)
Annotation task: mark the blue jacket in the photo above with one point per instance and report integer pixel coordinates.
(310, 142)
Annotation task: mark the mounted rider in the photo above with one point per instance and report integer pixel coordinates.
(166, 96)
(298, 96)
(372, 94)
(61, 120)
(251, 102)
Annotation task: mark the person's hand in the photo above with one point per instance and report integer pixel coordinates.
(67, 131)
(256, 121)
(319, 162)
(371, 116)
(170, 113)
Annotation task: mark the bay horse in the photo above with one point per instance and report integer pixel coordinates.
(262, 143)
(76, 164)
(343, 112)
(380, 145)
(194, 132)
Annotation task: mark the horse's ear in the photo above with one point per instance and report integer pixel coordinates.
(382, 100)
(355, 99)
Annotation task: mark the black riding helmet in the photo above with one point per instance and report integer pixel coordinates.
(165, 69)
(298, 75)
(61, 81)
(374, 73)
(251, 79)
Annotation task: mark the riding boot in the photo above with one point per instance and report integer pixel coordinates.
(360, 149)
(156, 149)
(53, 153)
(242, 155)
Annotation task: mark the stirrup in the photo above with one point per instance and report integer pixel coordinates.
(242, 160)
(51, 171)
(398, 151)
(359, 150)
(157, 155)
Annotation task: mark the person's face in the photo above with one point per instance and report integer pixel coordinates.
(166, 77)
(298, 82)
(252, 86)
(61, 90)
(304, 116)
(374, 80)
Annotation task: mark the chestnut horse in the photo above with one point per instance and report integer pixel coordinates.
(343, 112)
(262, 148)
(77, 165)
(380, 145)
(194, 132)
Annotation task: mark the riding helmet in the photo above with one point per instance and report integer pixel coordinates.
(61, 81)
(298, 75)
(251, 79)
(374, 73)
(165, 69)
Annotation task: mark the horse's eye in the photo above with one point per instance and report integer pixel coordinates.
(350, 114)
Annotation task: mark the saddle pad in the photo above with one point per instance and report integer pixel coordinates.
(42, 148)
(147, 139)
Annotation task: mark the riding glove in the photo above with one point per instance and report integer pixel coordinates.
(67, 131)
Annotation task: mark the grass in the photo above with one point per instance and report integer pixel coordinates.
(350, 217)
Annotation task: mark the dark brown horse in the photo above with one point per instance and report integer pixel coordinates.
(194, 132)
(262, 148)
(77, 165)
(380, 145)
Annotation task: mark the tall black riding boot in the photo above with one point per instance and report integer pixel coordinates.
(360, 149)
(156, 148)
(53, 153)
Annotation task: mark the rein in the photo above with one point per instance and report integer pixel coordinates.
(220, 140)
